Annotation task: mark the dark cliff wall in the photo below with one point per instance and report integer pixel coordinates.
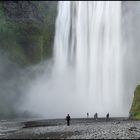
(26, 38)
(27, 30)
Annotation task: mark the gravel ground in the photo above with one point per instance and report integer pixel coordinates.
(79, 129)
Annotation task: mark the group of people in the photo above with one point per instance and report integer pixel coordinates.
(95, 117)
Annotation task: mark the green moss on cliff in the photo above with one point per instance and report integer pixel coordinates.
(135, 109)
(8, 39)
(28, 40)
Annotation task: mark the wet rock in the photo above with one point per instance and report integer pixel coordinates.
(117, 122)
(132, 129)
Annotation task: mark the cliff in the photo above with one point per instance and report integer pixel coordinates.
(135, 109)
(26, 38)
(27, 30)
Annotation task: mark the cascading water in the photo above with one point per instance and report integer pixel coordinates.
(88, 63)
(88, 39)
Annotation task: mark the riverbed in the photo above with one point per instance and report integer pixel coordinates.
(79, 129)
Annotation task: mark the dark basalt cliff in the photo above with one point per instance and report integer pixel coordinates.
(27, 30)
(26, 38)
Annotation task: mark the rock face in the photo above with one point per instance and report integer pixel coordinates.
(135, 109)
(26, 38)
(22, 11)
(27, 30)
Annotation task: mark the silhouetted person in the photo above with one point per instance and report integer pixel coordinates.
(87, 114)
(68, 119)
(107, 116)
(95, 116)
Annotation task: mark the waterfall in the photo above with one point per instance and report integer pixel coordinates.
(88, 40)
(88, 63)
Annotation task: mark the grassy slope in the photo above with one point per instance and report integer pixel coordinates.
(135, 109)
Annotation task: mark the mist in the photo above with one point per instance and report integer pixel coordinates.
(11, 86)
(14, 82)
(131, 33)
(53, 95)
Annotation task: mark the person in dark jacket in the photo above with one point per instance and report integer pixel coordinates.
(107, 116)
(96, 116)
(68, 119)
(87, 114)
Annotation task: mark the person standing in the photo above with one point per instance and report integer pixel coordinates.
(95, 116)
(68, 119)
(87, 114)
(107, 116)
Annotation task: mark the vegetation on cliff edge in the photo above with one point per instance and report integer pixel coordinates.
(135, 109)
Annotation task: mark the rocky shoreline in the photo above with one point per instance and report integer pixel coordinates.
(79, 129)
